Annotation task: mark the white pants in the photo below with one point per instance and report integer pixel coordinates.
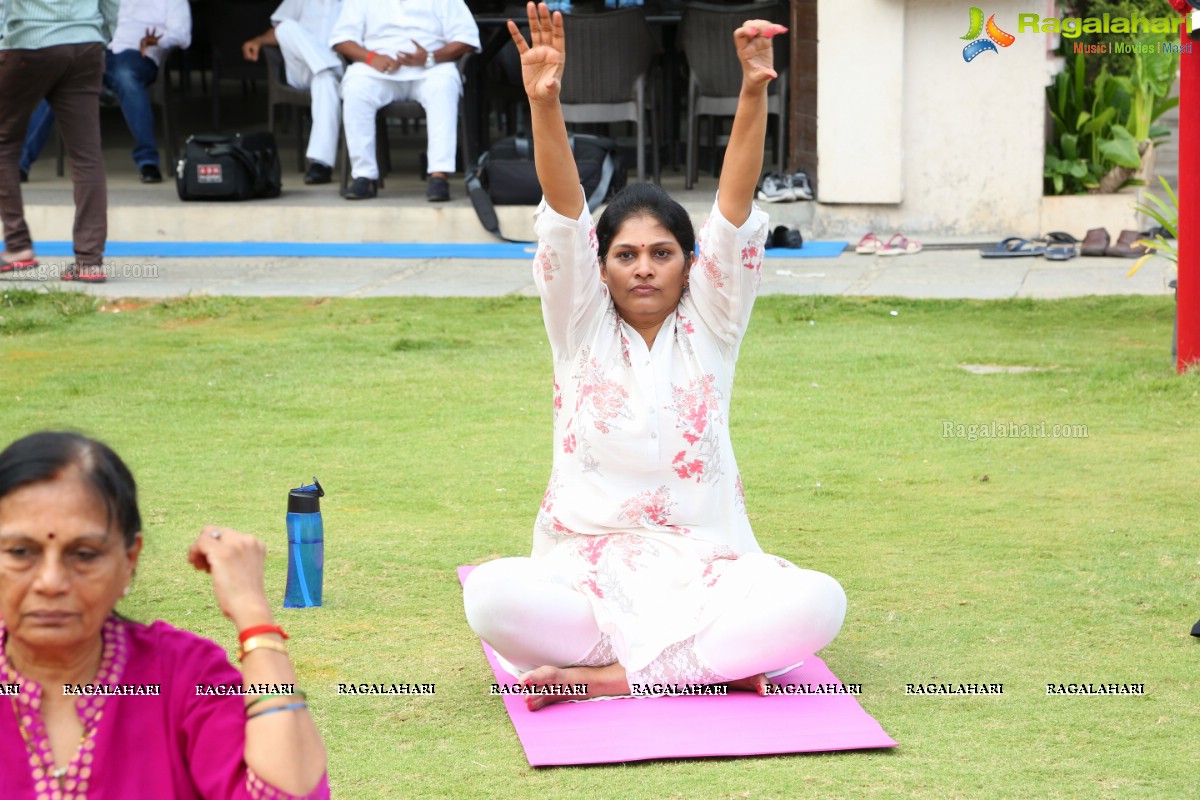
(312, 65)
(532, 617)
(365, 91)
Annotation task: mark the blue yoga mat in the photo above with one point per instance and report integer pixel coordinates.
(501, 250)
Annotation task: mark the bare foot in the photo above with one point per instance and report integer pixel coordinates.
(755, 683)
(582, 683)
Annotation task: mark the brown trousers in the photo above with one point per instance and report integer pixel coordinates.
(69, 77)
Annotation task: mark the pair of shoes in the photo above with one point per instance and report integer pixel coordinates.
(1097, 243)
(151, 173)
(900, 245)
(777, 187)
(784, 237)
(362, 189)
(24, 176)
(318, 173)
(17, 261)
(438, 191)
(94, 274)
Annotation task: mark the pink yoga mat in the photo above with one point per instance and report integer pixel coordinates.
(738, 724)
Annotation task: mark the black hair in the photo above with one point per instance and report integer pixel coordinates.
(45, 455)
(645, 200)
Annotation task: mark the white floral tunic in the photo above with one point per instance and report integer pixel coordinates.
(645, 507)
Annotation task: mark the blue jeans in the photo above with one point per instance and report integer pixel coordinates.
(127, 74)
(40, 125)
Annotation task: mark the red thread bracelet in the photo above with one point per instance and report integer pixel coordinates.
(371, 55)
(258, 630)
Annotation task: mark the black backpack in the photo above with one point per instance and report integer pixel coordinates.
(237, 167)
(505, 175)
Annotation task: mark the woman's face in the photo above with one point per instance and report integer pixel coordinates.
(645, 270)
(62, 566)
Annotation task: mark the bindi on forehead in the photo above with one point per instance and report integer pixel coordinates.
(50, 535)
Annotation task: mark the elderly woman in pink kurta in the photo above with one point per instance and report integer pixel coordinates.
(645, 572)
(96, 707)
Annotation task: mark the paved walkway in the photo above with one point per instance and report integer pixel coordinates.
(929, 274)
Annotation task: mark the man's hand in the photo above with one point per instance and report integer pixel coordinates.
(383, 63)
(149, 40)
(251, 49)
(544, 56)
(753, 44)
(415, 59)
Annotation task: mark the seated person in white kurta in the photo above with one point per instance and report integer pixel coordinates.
(301, 30)
(402, 51)
(644, 568)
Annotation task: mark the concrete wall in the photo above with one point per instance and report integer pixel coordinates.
(913, 138)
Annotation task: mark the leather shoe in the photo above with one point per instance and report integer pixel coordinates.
(1095, 242)
(150, 174)
(318, 173)
(362, 189)
(438, 191)
(1126, 246)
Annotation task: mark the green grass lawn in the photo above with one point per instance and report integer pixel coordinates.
(1021, 561)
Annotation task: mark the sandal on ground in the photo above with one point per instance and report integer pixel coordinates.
(899, 245)
(85, 274)
(869, 245)
(1060, 252)
(1095, 242)
(13, 262)
(1061, 237)
(1013, 247)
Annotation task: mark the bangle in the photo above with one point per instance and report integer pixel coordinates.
(255, 630)
(253, 703)
(371, 55)
(290, 707)
(255, 642)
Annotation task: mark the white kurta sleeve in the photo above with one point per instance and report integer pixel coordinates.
(178, 31)
(457, 23)
(566, 271)
(288, 9)
(726, 274)
(351, 25)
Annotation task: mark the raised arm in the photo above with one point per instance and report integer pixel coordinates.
(542, 61)
(744, 155)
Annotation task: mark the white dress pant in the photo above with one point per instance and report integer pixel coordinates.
(365, 91)
(312, 65)
(533, 617)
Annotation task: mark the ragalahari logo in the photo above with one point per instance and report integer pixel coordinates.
(995, 36)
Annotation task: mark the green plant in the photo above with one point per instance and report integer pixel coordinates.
(1167, 217)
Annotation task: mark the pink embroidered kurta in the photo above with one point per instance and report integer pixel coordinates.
(174, 746)
(645, 505)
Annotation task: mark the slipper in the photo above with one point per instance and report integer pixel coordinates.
(1013, 247)
(84, 274)
(869, 245)
(1060, 252)
(21, 264)
(1060, 237)
(898, 245)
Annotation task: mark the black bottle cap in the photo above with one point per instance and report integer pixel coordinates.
(306, 499)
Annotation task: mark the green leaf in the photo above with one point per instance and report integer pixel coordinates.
(1070, 146)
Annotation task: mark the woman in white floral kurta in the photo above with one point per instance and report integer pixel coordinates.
(645, 572)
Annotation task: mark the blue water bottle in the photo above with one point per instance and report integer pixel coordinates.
(306, 547)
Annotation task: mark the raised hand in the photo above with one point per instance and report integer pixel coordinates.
(544, 56)
(753, 44)
(236, 563)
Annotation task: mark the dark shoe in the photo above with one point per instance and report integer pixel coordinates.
(362, 189)
(24, 176)
(784, 237)
(318, 173)
(150, 174)
(84, 274)
(1095, 242)
(1126, 246)
(438, 191)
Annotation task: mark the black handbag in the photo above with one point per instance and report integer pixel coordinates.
(238, 167)
(505, 175)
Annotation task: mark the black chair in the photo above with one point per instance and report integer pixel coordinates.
(608, 75)
(281, 93)
(230, 24)
(706, 35)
